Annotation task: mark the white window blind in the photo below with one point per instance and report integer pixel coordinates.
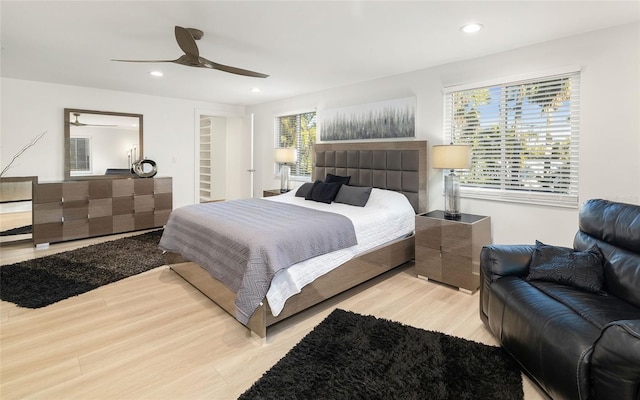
(299, 131)
(524, 137)
(80, 154)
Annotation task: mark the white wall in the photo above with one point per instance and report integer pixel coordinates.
(609, 127)
(28, 108)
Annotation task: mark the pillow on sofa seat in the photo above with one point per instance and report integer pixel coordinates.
(581, 269)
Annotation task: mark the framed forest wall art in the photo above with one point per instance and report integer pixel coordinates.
(390, 119)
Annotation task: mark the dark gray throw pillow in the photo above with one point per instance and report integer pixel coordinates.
(336, 178)
(581, 269)
(323, 192)
(310, 192)
(304, 189)
(354, 195)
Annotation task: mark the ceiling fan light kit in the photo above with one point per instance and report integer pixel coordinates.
(186, 38)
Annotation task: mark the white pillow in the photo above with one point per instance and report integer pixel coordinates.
(381, 198)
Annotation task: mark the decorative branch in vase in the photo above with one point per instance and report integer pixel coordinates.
(19, 153)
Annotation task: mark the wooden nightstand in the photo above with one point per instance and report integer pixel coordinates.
(271, 192)
(448, 251)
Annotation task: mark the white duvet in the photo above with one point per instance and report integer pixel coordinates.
(386, 216)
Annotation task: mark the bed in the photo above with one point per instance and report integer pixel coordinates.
(389, 168)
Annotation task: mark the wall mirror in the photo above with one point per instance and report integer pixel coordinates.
(15, 209)
(101, 144)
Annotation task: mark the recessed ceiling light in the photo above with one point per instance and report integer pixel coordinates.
(472, 28)
(156, 73)
(255, 90)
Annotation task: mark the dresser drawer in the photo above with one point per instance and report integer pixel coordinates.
(80, 209)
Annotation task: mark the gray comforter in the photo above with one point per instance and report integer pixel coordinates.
(243, 243)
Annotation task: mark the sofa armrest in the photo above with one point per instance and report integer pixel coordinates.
(615, 361)
(497, 261)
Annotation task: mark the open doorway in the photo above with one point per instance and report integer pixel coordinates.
(213, 159)
(223, 157)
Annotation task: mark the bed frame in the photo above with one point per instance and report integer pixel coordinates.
(400, 166)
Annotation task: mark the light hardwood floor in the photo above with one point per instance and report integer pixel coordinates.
(153, 336)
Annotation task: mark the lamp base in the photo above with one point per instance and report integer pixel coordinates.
(452, 196)
(452, 216)
(284, 178)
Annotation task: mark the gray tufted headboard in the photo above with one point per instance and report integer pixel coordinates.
(400, 166)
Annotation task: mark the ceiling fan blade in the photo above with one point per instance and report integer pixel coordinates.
(186, 42)
(78, 123)
(204, 63)
(81, 124)
(186, 38)
(147, 61)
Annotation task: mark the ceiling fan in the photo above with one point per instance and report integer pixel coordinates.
(78, 123)
(186, 38)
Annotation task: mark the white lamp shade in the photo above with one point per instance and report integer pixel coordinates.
(285, 155)
(451, 156)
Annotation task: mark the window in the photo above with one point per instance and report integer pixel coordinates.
(299, 131)
(524, 138)
(80, 154)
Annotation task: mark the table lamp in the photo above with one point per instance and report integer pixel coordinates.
(285, 156)
(452, 157)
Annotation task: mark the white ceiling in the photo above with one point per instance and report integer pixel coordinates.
(304, 46)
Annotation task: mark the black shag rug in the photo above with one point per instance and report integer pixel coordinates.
(42, 281)
(351, 356)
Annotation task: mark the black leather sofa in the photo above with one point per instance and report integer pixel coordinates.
(573, 342)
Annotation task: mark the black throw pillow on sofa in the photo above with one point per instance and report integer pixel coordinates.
(336, 178)
(323, 192)
(581, 269)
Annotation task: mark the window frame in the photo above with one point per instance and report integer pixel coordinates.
(295, 169)
(527, 195)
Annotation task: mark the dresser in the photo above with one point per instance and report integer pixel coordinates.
(448, 251)
(81, 209)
